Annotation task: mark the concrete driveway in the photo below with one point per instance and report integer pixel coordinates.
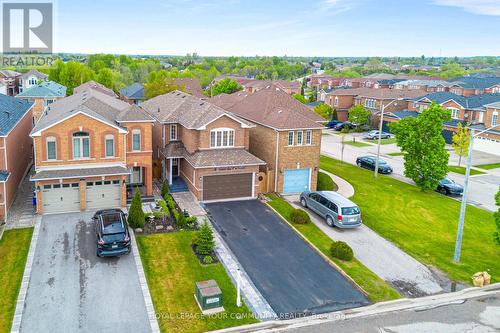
(72, 290)
(290, 275)
(482, 188)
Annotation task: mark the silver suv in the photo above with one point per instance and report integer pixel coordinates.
(334, 208)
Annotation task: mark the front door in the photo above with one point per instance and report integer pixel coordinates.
(175, 167)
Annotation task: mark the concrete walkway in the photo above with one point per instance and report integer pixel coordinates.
(21, 212)
(344, 187)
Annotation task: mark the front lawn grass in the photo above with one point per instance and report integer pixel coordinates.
(14, 248)
(398, 153)
(326, 183)
(377, 289)
(171, 270)
(461, 170)
(389, 141)
(488, 166)
(357, 144)
(424, 224)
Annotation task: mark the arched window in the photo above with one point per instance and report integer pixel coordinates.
(222, 137)
(51, 148)
(81, 145)
(109, 144)
(136, 140)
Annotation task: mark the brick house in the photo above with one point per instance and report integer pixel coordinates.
(31, 79)
(92, 85)
(469, 85)
(290, 87)
(287, 136)
(15, 148)
(133, 94)
(10, 79)
(426, 85)
(190, 85)
(42, 95)
(204, 146)
(91, 150)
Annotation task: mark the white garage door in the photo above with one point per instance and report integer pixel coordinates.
(487, 145)
(61, 198)
(103, 194)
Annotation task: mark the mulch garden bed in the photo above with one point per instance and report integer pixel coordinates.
(201, 257)
(157, 225)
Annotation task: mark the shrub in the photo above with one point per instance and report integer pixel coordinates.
(341, 251)
(299, 216)
(205, 239)
(208, 260)
(163, 207)
(170, 202)
(181, 221)
(164, 190)
(191, 222)
(135, 213)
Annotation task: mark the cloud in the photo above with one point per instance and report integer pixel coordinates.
(336, 6)
(481, 7)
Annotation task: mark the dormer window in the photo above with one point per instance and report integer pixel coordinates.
(81, 145)
(221, 137)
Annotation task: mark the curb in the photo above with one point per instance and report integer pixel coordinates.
(23, 291)
(326, 258)
(153, 322)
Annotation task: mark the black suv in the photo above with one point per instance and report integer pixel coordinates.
(111, 228)
(368, 162)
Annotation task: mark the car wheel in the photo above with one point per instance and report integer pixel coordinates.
(303, 202)
(329, 221)
(359, 164)
(444, 191)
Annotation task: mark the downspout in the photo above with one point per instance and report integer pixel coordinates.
(276, 163)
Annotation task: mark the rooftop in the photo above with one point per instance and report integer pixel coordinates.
(12, 110)
(134, 91)
(92, 85)
(44, 90)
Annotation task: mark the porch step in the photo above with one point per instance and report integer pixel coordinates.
(178, 185)
(145, 198)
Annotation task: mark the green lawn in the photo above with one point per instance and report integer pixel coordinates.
(488, 166)
(398, 153)
(461, 170)
(387, 141)
(171, 270)
(357, 144)
(377, 289)
(326, 183)
(423, 224)
(14, 248)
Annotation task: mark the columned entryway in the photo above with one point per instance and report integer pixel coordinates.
(173, 169)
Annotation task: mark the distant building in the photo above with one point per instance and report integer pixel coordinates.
(31, 79)
(92, 85)
(133, 94)
(42, 95)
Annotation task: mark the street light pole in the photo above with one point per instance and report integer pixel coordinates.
(380, 132)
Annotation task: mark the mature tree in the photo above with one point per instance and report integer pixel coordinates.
(425, 159)
(358, 115)
(313, 97)
(73, 73)
(105, 77)
(135, 213)
(160, 86)
(226, 86)
(300, 98)
(324, 110)
(461, 140)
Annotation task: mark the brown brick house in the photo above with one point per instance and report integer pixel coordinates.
(204, 145)
(287, 136)
(90, 150)
(290, 87)
(92, 85)
(15, 148)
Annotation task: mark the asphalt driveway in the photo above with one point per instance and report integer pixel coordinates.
(292, 277)
(72, 290)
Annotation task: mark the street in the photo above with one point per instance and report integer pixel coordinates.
(482, 188)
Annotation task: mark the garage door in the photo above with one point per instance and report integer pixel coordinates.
(103, 194)
(227, 186)
(487, 145)
(61, 198)
(296, 180)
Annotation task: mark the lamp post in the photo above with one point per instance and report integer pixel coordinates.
(463, 205)
(380, 131)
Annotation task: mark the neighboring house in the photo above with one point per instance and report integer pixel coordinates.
(287, 136)
(490, 141)
(328, 82)
(10, 79)
(92, 85)
(16, 148)
(205, 146)
(190, 85)
(426, 85)
(133, 94)
(42, 95)
(363, 82)
(31, 79)
(3, 89)
(91, 151)
(473, 85)
(290, 87)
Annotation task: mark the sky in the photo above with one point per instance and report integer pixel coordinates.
(333, 28)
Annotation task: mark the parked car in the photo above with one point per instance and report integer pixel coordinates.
(374, 134)
(332, 123)
(111, 228)
(368, 162)
(334, 208)
(340, 126)
(447, 186)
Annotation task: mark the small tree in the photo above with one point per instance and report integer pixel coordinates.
(461, 141)
(358, 115)
(324, 110)
(164, 190)
(496, 234)
(205, 239)
(135, 213)
(334, 114)
(300, 98)
(227, 86)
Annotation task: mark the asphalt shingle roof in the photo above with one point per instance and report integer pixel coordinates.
(134, 91)
(36, 73)
(77, 173)
(44, 90)
(11, 111)
(470, 82)
(470, 102)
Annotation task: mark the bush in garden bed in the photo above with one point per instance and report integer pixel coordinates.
(135, 213)
(341, 250)
(204, 241)
(299, 216)
(164, 190)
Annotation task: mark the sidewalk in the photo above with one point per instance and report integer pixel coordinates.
(21, 212)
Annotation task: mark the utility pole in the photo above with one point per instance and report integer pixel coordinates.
(380, 131)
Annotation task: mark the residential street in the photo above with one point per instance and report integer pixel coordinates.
(71, 290)
(482, 188)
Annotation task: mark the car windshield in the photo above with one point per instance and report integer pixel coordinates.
(381, 162)
(350, 211)
(447, 181)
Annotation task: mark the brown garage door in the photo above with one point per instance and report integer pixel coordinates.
(227, 186)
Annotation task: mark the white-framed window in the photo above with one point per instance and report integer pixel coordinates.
(336, 103)
(494, 119)
(370, 103)
(221, 137)
(308, 137)
(290, 138)
(136, 140)
(51, 148)
(454, 113)
(109, 143)
(300, 138)
(173, 132)
(81, 145)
